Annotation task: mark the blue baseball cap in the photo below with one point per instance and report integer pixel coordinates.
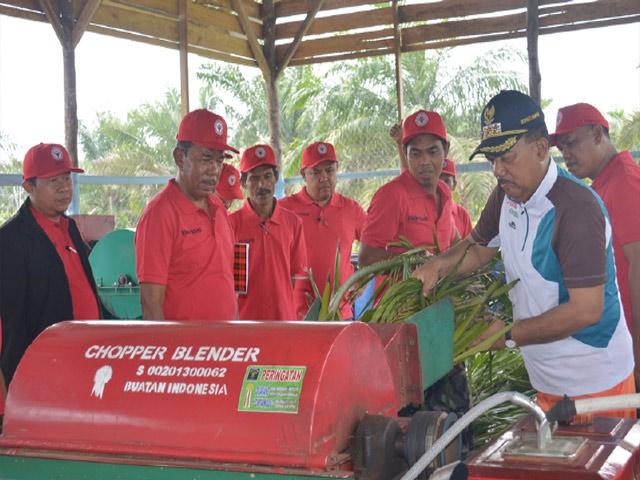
(506, 118)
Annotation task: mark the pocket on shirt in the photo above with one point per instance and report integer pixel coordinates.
(190, 253)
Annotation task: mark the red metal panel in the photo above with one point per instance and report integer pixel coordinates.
(176, 390)
(401, 346)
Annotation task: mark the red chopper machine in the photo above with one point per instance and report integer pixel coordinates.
(270, 401)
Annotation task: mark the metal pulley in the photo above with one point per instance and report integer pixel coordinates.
(382, 449)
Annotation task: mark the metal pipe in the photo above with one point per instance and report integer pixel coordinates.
(602, 404)
(544, 429)
(453, 471)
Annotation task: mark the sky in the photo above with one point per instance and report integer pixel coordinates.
(600, 66)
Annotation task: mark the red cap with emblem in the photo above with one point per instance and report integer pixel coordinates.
(47, 160)
(423, 122)
(256, 156)
(316, 153)
(204, 128)
(575, 116)
(449, 167)
(228, 186)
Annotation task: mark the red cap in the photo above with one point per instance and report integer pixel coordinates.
(316, 153)
(575, 116)
(229, 183)
(449, 167)
(422, 122)
(204, 128)
(47, 160)
(255, 156)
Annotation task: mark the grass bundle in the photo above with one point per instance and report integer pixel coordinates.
(477, 298)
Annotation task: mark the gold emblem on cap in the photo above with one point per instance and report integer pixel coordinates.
(503, 147)
(529, 118)
(491, 130)
(488, 114)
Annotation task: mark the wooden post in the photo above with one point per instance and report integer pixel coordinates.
(265, 57)
(62, 21)
(69, 32)
(533, 26)
(273, 100)
(398, 57)
(184, 55)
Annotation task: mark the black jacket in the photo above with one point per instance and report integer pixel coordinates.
(34, 291)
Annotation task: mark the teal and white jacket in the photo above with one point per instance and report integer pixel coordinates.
(559, 239)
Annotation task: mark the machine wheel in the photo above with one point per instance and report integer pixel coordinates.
(377, 449)
(424, 429)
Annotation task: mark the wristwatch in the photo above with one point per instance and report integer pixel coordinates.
(509, 342)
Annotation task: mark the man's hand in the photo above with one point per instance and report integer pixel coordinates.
(428, 274)
(396, 133)
(494, 328)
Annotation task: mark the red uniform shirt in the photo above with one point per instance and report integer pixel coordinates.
(85, 304)
(618, 184)
(402, 207)
(180, 246)
(277, 253)
(340, 220)
(462, 220)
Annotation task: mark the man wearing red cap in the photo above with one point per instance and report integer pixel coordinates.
(329, 219)
(277, 252)
(228, 187)
(45, 276)
(184, 242)
(416, 205)
(460, 214)
(582, 135)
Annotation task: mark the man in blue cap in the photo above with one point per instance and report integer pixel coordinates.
(554, 236)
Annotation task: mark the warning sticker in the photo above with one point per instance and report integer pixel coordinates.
(271, 388)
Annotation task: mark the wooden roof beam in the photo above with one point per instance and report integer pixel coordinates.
(382, 39)
(285, 8)
(438, 43)
(254, 45)
(341, 22)
(88, 11)
(302, 31)
(54, 19)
